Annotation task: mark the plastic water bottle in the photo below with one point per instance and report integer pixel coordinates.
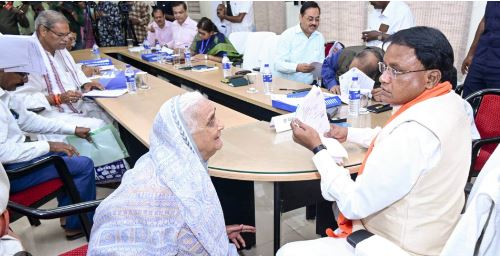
(130, 78)
(147, 46)
(157, 46)
(354, 97)
(187, 57)
(226, 66)
(267, 78)
(96, 54)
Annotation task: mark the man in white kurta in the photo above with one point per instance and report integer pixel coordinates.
(64, 79)
(385, 19)
(411, 188)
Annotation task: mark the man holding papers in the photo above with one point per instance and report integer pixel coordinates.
(410, 186)
(16, 151)
(301, 46)
(59, 91)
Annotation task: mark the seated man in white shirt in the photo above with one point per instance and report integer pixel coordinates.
(16, 151)
(242, 18)
(410, 186)
(387, 18)
(300, 46)
(60, 91)
(160, 30)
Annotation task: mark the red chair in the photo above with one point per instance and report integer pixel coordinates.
(80, 251)
(26, 202)
(486, 105)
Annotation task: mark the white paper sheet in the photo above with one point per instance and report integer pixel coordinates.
(365, 83)
(312, 111)
(21, 54)
(105, 93)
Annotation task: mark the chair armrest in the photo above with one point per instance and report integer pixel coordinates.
(55, 212)
(25, 170)
(459, 89)
(476, 146)
(368, 244)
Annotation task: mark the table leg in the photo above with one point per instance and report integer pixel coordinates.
(277, 215)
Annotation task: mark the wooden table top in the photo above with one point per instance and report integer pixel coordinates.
(251, 151)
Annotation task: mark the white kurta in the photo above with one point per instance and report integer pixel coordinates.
(72, 78)
(13, 149)
(397, 15)
(9, 245)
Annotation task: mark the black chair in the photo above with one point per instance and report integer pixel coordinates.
(26, 202)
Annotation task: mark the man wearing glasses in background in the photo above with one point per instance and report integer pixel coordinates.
(410, 186)
(300, 46)
(59, 92)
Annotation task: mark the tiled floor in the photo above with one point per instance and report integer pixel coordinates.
(48, 238)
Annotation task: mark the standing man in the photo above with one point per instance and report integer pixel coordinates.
(300, 46)
(242, 18)
(410, 186)
(387, 18)
(10, 16)
(166, 6)
(160, 30)
(482, 64)
(183, 28)
(139, 16)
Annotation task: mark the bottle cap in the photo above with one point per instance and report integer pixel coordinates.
(128, 65)
(266, 65)
(354, 78)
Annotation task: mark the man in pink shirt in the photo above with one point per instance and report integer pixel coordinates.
(183, 28)
(160, 30)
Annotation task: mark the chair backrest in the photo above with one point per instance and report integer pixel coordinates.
(239, 41)
(80, 251)
(486, 104)
(329, 47)
(477, 231)
(254, 45)
(268, 53)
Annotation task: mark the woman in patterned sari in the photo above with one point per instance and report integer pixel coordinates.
(167, 204)
(109, 25)
(212, 44)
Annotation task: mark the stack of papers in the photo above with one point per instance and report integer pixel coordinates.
(289, 102)
(21, 54)
(312, 111)
(105, 93)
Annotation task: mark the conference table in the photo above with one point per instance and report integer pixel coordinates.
(252, 151)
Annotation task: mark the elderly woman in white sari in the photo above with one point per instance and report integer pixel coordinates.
(167, 204)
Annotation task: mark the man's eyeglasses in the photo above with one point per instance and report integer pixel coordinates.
(382, 67)
(60, 35)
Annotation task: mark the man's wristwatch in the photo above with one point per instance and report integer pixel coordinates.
(318, 148)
